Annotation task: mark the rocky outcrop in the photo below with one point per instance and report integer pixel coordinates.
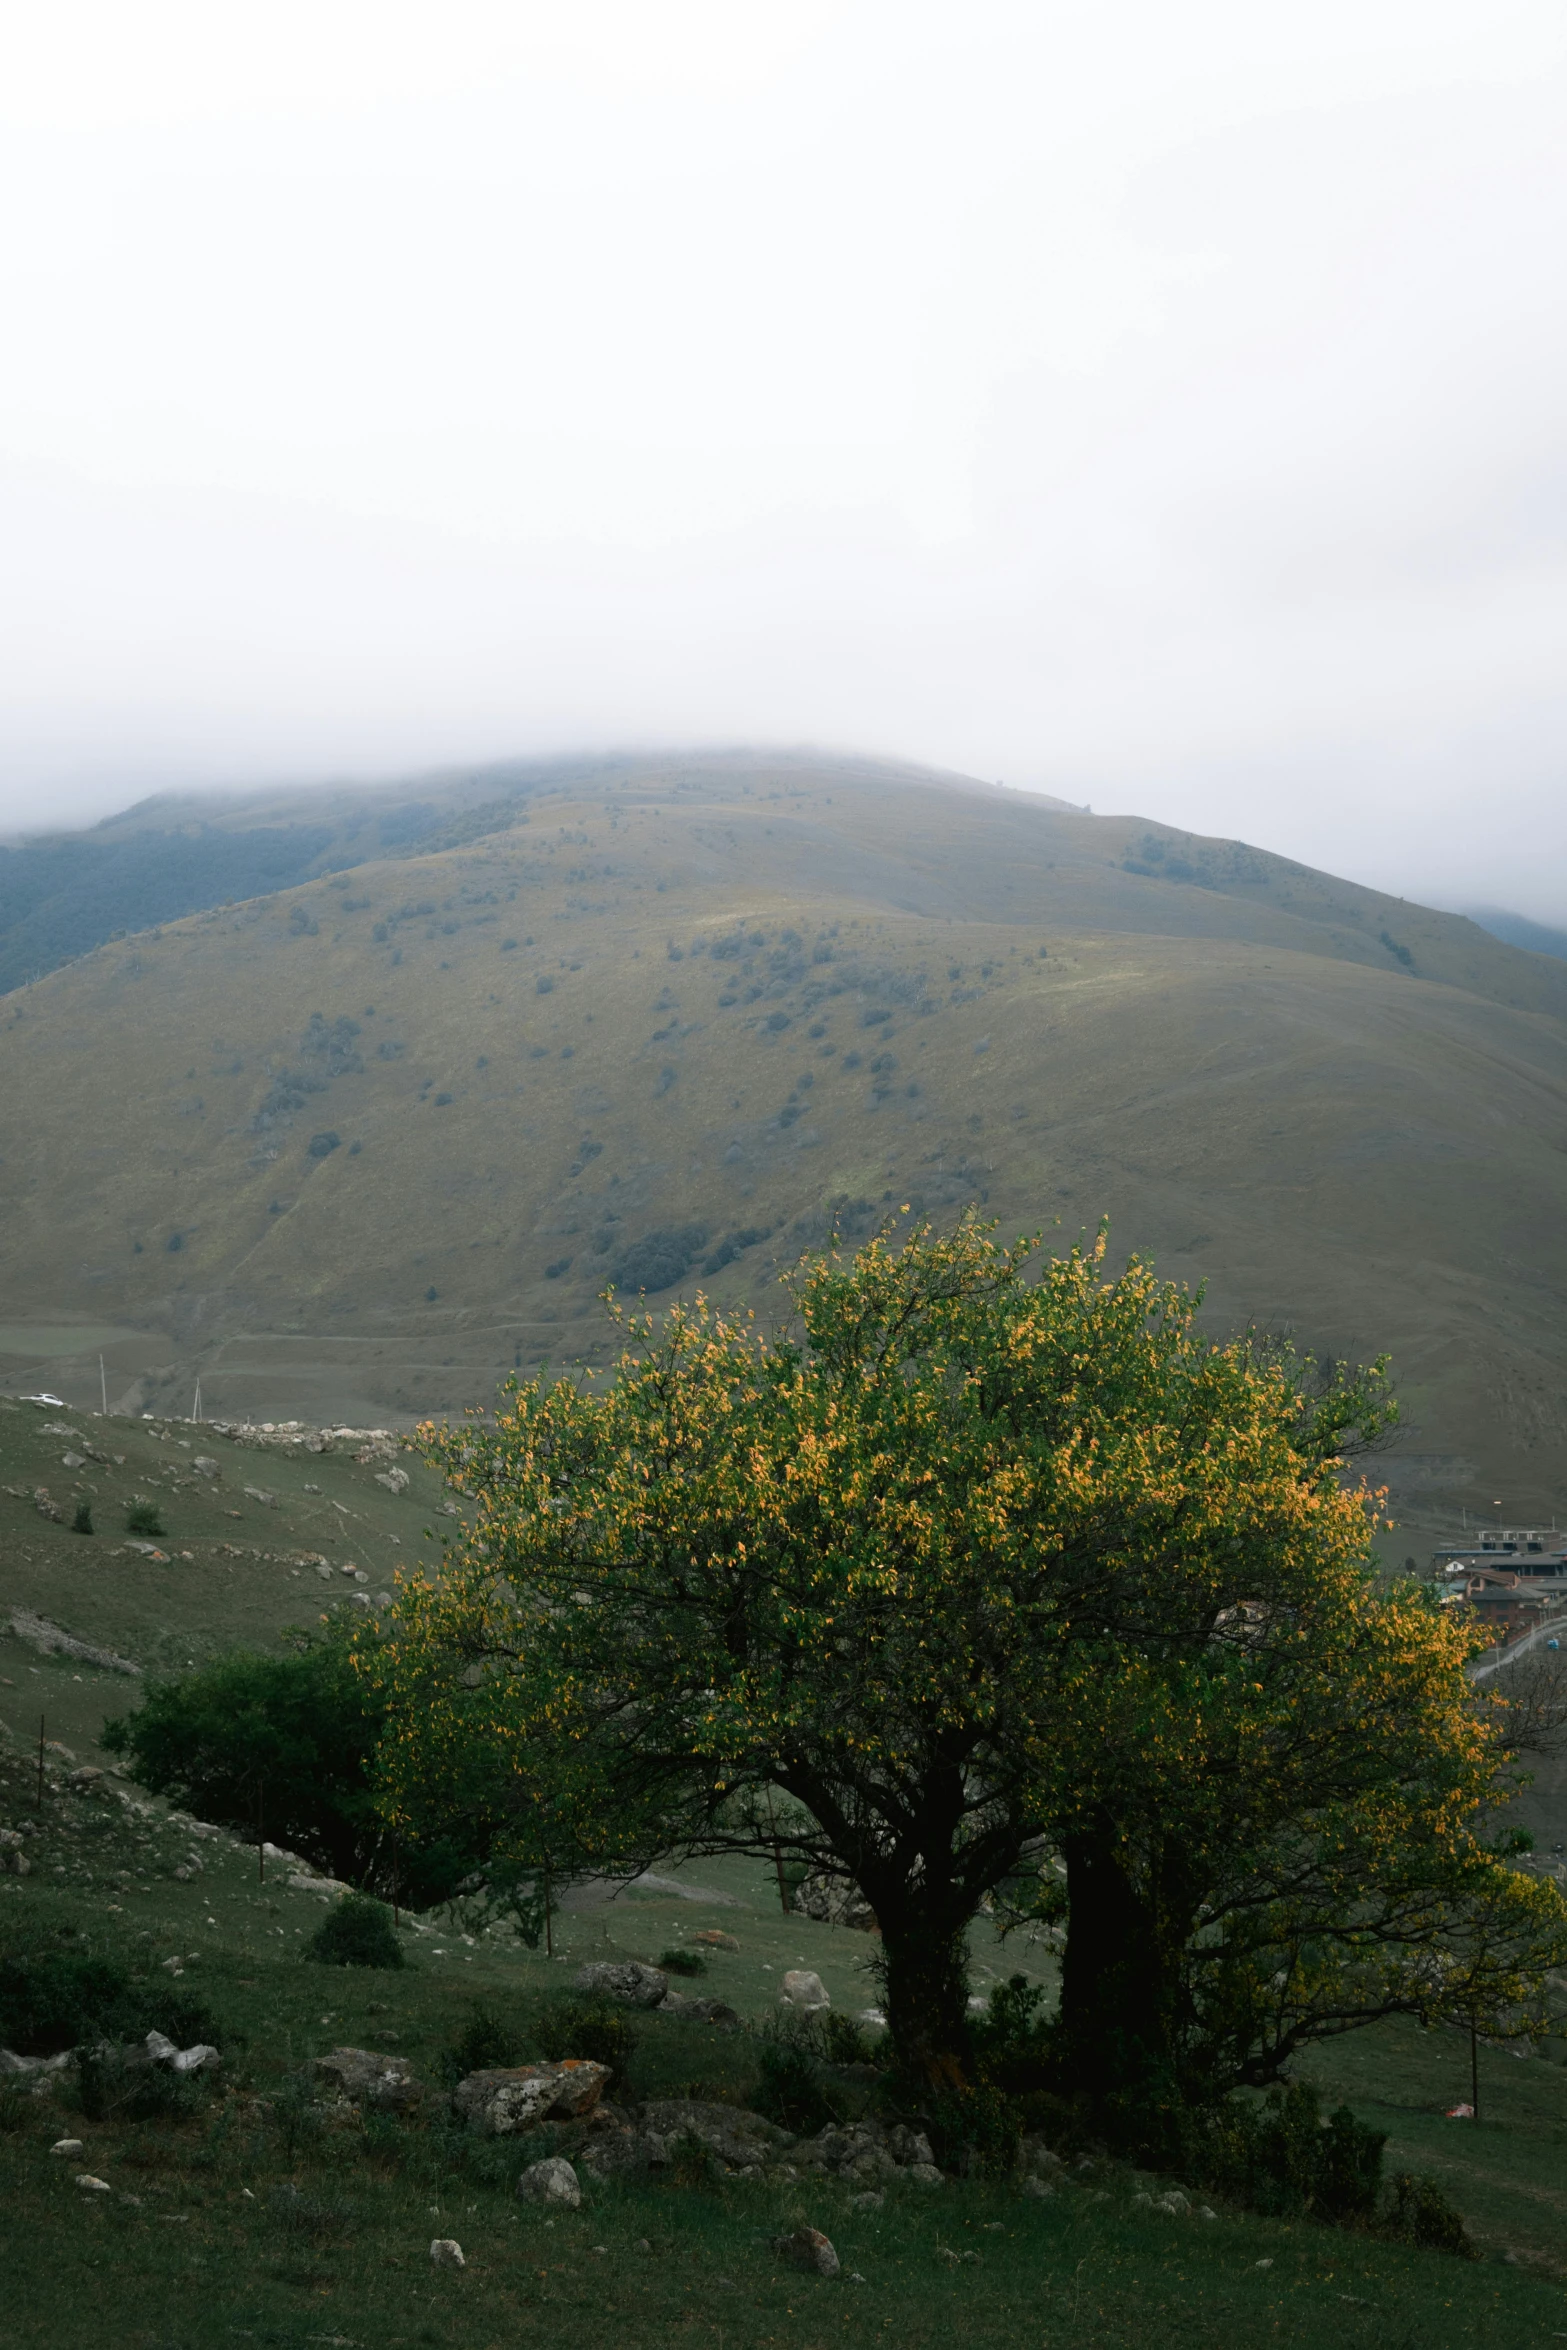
(625, 1980)
(516, 2097)
(366, 2078)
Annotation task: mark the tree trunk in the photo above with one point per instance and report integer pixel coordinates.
(1122, 1987)
(926, 1974)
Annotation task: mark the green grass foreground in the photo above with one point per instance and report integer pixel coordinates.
(252, 2221)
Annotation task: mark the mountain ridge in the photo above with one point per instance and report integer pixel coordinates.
(361, 1145)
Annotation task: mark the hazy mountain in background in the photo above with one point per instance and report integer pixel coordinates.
(1536, 937)
(362, 1143)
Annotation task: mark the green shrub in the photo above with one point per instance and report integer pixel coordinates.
(142, 1518)
(82, 1522)
(356, 1931)
(114, 2086)
(848, 2042)
(976, 2132)
(596, 2032)
(683, 1962)
(52, 1999)
(1421, 2214)
(1012, 2039)
(792, 2090)
(299, 1732)
(486, 2042)
(1282, 2158)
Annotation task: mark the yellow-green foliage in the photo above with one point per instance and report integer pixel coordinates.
(993, 1555)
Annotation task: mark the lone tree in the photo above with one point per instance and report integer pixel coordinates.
(995, 1567)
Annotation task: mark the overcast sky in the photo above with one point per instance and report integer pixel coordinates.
(1162, 405)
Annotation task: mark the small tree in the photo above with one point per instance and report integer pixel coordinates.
(292, 1737)
(986, 1546)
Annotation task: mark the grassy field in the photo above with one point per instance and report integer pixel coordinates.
(251, 2220)
(265, 1541)
(243, 2222)
(544, 1070)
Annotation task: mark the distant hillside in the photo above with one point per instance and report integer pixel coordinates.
(1536, 937)
(359, 1145)
(61, 894)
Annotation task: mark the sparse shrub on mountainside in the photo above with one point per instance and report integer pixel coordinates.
(82, 1523)
(55, 1994)
(321, 1146)
(592, 2031)
(143, 1518)
(659, 1258)
(1420, 2213)
(356, 1931)
(486, 2042)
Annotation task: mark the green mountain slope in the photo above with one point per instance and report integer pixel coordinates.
(356, 1148)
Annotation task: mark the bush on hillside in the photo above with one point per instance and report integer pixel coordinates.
(680, 1961)
(1421, 2214)
(1280, 2157)
(294, 1738)
(53, 1998)
(356, 1931)
(142, 1518)
(82, 1522)
(593, 2031)
(485, 2043)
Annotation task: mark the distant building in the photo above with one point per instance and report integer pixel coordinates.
(1512, 1576)
(1536, 1552)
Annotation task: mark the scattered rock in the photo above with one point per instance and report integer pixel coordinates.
(365, 2078)
(742, 2141)
(1038, 2189)
(395, 1480)
(306, 1881)
(834, 1901)
(36, 2067)
(697, 2011)
(66, 2146)
(871, 2200)
(625, 1979)
(716, 1939)
(51, 1641)
(203, 2057)
(803, 1989)
(552, 2181)
(446, 2252)
(924, 2174)
(515, 2097)
(808, 2248)
(84, 2178)
(45, 1505)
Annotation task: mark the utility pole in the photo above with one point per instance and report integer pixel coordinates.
(195, 1409)
(103, 1382)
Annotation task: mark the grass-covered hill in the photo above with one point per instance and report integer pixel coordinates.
(355, 1148)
